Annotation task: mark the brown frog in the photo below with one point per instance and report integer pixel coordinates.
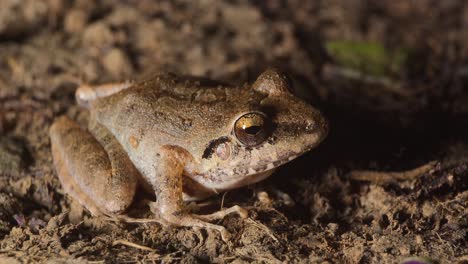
(182, 139)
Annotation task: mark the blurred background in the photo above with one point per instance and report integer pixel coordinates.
(390, 76)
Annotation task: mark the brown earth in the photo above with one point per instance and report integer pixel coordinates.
(310, 211)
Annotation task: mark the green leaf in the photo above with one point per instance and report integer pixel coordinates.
(368, 57)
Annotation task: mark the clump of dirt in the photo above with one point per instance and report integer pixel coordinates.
(383, 118)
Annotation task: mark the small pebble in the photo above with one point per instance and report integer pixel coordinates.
(75, 21)
(117, 63)
(36, 223)
(264, 199)
(98, 35)
(20, 220)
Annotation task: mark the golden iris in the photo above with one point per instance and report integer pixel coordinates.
(250, 129)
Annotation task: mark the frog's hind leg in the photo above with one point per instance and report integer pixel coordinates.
(86, 93)
(93, 169)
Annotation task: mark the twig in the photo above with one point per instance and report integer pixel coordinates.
(131, 244)
(127, 219)
(222, 200)
(378, 177)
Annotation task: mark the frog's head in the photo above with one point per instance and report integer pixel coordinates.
(273, 127)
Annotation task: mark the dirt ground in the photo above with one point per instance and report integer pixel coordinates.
(340, 203)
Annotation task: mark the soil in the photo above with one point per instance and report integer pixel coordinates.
(313, 210)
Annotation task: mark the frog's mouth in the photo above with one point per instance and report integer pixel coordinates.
(224, 179)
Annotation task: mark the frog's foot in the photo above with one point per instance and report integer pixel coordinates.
(86, 93)
(183, 218)
(203, 219)
(223, 213)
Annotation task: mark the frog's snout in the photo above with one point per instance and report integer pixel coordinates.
(323, 126)
(315, 131)
(316, 125)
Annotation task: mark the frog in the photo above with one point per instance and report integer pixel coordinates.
(182, 139)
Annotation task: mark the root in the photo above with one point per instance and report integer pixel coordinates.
(381, 178)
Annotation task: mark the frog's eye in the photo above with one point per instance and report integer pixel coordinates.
(251, 129)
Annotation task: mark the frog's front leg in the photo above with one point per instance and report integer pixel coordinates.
(167, 184)
(92, 167)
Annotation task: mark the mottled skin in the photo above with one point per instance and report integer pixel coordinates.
(176, 137)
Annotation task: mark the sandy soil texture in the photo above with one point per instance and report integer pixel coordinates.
(390, 181)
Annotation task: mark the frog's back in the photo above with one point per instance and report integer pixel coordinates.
(174, 109)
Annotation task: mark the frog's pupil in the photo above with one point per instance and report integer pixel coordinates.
(253, 130)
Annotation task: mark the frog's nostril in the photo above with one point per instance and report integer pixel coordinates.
(324, 125)
(310, 126)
